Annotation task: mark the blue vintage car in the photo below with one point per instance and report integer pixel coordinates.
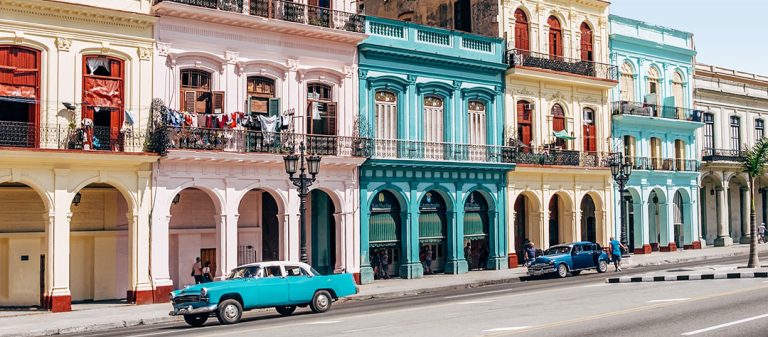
(282, 285)
(570, 258)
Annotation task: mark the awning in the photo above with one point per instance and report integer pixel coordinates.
(475, 225)
(383, 230)
(431, 227)
(563, 134)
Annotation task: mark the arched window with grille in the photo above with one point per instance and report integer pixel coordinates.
(677, 94)
(555, 38)
(476, 128)
(522, 41)
(586, 42)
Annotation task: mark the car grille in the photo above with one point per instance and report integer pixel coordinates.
(186, 299)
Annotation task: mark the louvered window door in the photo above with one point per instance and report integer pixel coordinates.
(476, 128)
(386, 124)
(433, 127)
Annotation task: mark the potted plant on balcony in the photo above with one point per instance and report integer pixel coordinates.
(360, 137)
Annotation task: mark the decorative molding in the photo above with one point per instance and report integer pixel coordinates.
(163, 48)
(64, 13)
(292, 64)
(231, 56)
(18, 37)
(349, 71)
(524, 91)
(457, 85)
(145, 54)
(412, 79)
(362, 73)
(63, 43)
(105, 47)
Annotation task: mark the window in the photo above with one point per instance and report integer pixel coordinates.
(629, 147)
(555, 37)
(476, 123)
(196, 93)
(521, 30)
(709, 131)
(19, 95)
(679, 155)
(321, 115)
(677, 94)
(759, 129)
(558, 123)
(433, 119)
(627, 83)
(589, 130)
(735, 133)
(272, 271)
(586, 42)
(295, 271)
(656, 153)
(653, 83)
(524, 124)
(462, 15)
(103, 89)
(261, 96)
(386, 115)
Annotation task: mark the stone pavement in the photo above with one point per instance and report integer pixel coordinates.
(104, 316)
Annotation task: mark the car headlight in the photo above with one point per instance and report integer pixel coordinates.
(551, 262)
(171, 296)
(203, 293)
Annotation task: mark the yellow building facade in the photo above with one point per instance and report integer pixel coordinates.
(75, 96)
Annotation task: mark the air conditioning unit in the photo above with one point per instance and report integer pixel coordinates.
(529, 106)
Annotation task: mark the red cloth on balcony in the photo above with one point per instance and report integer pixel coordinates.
(17, 91)
(103, 93)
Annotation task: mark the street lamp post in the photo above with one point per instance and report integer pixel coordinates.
(302, 183)
(621, 169)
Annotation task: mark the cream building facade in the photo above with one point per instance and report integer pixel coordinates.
(558, 120)
(75, 91)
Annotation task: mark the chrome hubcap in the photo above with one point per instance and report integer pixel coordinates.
(322, 301)
(230, 312)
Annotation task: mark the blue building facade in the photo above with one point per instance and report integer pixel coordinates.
(654, 125)
(431, 104)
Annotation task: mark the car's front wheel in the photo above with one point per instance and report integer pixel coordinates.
(602, 266)
(229, 312)
(196, 320)
(321, 302)
(286, 310)
(562, 270)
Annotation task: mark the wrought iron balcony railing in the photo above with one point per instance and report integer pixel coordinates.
(561, 158)
(655, 110)
(66, 137)
(438, 151)
(285, 10)
(248, 141)
(525, 58)
(664, 164)
(711, 154)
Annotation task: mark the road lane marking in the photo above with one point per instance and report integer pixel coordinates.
(155, 333)
(322, 322)
(724, 325)
(479, 294)
(511, 328)
(366, 329)
(476, 302)
(669, 300)
(595, 285)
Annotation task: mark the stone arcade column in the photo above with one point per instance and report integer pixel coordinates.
(455, 262)
(58, 297)
(723, 237)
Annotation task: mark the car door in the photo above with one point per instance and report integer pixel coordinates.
(272, 287)
(582, 257)
(301, 285)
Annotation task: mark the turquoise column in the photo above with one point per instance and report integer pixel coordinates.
(497, 227)
(410, 266)
(366, 271)
(455, 262)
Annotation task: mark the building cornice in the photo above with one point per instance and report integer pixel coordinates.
(370, 49)
(68, 12)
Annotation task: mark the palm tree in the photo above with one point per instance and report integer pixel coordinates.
(755, 160)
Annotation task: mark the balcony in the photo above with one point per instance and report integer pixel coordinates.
(710, 155)
(560, 158)
(527, 59)
(282, 10)
(655, 110)
(664, 164)
(66, 137)
(248, 141)
(436, 151)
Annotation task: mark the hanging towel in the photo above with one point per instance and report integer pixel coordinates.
(268, 125)
(315, 110)
(129, 117)
(285, 122)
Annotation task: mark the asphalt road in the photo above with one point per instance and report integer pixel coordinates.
(576, 306)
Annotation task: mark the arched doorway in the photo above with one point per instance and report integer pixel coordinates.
(476, 248)
(258, 231)
(433, 231)
(323, 232)
(588, 219)
(192, 233)
(23, 240)
(561, 225)
(658, 226)
(525, 228)
(384, 233)
(99, 244)
(554, 220)
(709, 209)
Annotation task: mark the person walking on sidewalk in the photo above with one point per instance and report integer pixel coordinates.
(376, 263)
(761, 233)
(384, 267)
(197, 271)
(530, 253)
(468, 255)
(616, 248)
(207, 275)
(428, 261)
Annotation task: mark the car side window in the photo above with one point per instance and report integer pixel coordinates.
(294, 271)
(273, 271)
(576, 249)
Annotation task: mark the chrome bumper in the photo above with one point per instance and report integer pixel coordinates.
(192, 311)
(541, 271)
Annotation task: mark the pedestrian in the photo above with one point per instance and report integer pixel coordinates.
(530, 253)
(484, 253)
(207, 275)
(428, 260)
(468, 255)
(384, 267)
(197, 271)
(616, 248)
(375, 262)
(761, 233)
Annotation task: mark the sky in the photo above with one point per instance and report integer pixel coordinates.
(730, 34)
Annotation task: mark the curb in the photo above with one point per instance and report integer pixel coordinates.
(94, 327)
(688, 277)
(424, 291)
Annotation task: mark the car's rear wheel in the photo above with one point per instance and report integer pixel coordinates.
(602, 266)
(196, 320)
(229, 312)
(286, 310)
(562, 270)
(321, 302)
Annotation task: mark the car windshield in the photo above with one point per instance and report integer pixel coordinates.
(557, 250)
(243, 272)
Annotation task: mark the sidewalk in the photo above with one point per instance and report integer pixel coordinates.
(97, 316)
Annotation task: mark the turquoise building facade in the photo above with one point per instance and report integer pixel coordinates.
(654, 126)
(431, 108)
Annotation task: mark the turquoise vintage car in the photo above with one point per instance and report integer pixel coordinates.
(282, 285)
(570, 258)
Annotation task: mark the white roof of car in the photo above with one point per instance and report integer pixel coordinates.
(277, 263)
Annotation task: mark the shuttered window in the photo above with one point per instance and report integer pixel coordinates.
(197, 94)
(386, 115)
(476, 123)
(589, 130)
(524, 124)
(321, 110)
(261, 91)
(521, 30)
(586, 42)
(555, 38)
(433, 119)
(627, 83)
